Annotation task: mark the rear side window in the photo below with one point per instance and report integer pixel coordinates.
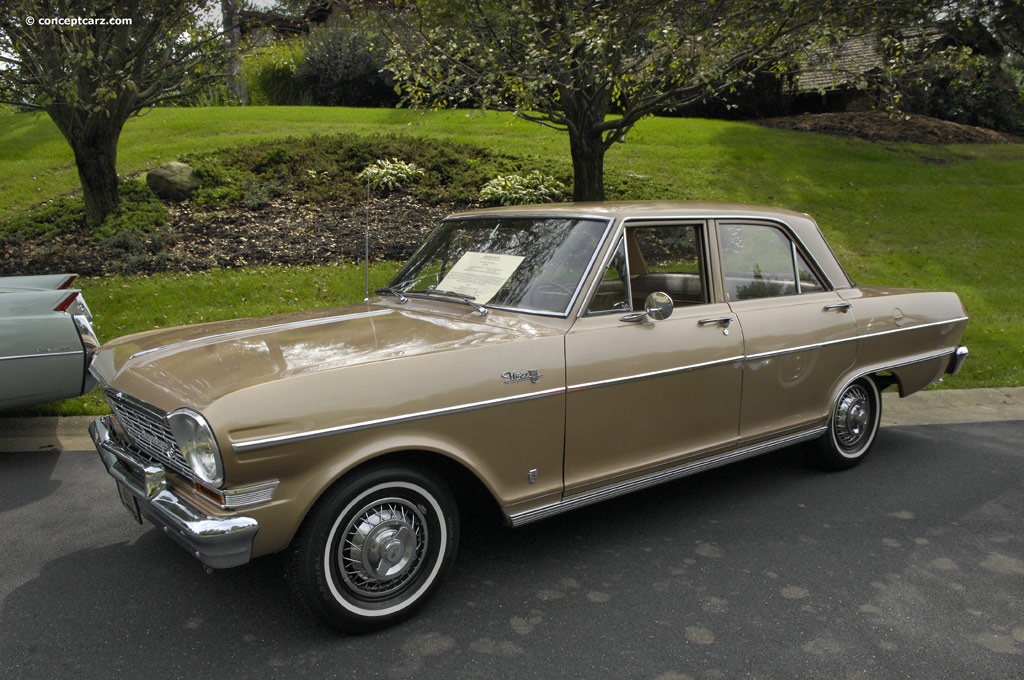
(761, 261)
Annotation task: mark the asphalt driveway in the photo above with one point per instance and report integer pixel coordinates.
(908, 566)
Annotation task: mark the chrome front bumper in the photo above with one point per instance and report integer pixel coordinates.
(217, 542)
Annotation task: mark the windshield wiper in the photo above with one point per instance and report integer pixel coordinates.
(468, 299)
(388, 290)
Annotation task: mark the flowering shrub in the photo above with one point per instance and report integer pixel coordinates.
(384, 175)
(519, 190)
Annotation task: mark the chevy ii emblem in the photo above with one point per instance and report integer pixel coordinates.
(533, 375)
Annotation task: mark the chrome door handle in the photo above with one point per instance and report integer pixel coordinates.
(843, 307)
(721, 321)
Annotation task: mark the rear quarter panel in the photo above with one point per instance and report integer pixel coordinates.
(910, 333)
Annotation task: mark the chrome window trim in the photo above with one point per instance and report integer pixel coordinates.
(798, 246)
(703, 230)
(618, 237)
(796, 270)
(596, 281)
(790, 233)
(274, 328)
(661, 476)
(256, 444)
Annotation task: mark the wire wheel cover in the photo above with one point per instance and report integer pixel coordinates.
(852, 419)
(382, 548)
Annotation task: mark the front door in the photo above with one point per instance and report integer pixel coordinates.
(642, 395)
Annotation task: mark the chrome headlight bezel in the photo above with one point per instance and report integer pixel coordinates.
(198, 445)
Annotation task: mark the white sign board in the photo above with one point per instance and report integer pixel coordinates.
(480, 275)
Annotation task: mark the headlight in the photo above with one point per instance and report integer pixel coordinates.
(197, 444)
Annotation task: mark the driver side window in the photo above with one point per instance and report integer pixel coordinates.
(654, 258)
(667, 259)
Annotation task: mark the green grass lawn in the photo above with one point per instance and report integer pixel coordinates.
(38, 164)
(936, 217)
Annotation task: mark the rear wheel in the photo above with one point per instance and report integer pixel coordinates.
(375, 548)
(856, 416)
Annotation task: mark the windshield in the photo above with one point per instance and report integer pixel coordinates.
(533, 264)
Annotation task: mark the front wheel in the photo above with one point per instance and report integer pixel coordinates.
(375, 548)
(852, 426)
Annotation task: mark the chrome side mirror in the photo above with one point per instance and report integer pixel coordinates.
(657, 306)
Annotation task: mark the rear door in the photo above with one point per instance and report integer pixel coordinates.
(799, 336)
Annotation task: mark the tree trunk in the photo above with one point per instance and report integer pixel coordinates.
(97, 170)
(587, 151)
(233, 35)
(584, 111)
(93, 139)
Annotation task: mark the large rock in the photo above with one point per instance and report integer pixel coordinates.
(174, 181)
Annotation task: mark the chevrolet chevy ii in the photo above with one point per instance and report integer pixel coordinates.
(546, 357)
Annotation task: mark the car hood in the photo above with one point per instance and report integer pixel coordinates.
(196, 365)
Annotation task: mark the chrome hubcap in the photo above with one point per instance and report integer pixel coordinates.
(852, 417)
(382, 547)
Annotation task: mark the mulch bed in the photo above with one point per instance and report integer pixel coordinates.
(878, 126)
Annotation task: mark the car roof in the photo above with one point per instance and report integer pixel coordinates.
(641, 209)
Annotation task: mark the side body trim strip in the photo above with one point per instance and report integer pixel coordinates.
(655, 374)
(855, 338)
(42, 355)
(256, 444)
(660, 477)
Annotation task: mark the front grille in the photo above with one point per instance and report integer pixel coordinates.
(147, 431)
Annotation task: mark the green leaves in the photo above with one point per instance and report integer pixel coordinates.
(98, 66)
(535, 187)
(389, 175)
(571, 64)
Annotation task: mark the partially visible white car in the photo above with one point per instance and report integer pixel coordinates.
(46, 340)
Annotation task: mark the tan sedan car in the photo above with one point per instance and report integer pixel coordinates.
(546, 357)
